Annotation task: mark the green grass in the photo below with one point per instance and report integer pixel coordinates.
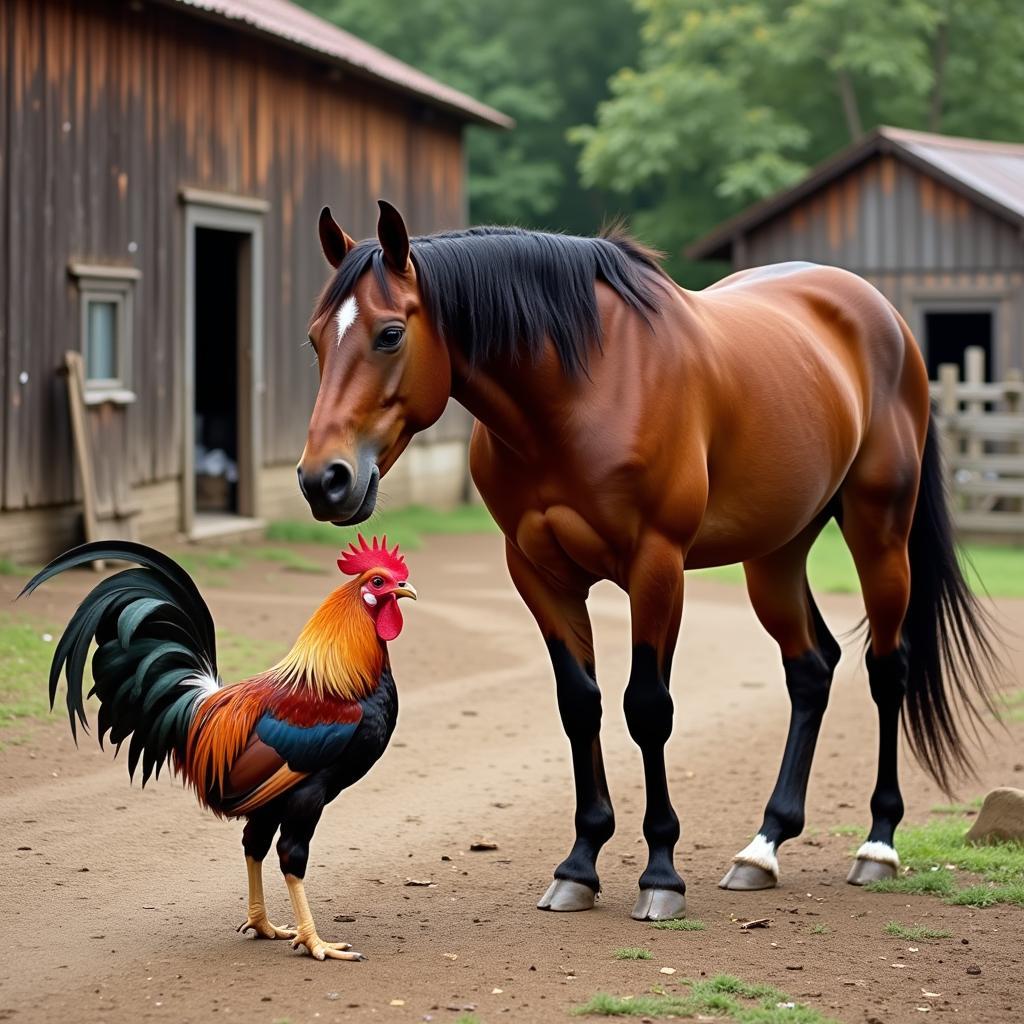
(239, 657)
(722, 996)
(24, 669)
(405, 526)
(914, 932)
(633, 953)
(933, 851)
(468, 1018)
(197, 560)
(1012, 709)
(681, 924)
(967, 808)
(290, 560)
(995, 569)
(819, 929)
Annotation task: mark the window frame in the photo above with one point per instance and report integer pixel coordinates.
(116, 285)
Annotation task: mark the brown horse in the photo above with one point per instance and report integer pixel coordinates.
(627, 430)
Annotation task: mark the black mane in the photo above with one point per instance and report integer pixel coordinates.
(498, 291)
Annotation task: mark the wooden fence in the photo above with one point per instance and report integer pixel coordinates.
(983, 433)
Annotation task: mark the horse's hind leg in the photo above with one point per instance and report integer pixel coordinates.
(878, 508)
(564, 622)
(777, 584)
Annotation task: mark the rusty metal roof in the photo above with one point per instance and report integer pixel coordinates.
(991, 174)
(288, 23)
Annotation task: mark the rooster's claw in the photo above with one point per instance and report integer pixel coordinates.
(261, 928)
(320, 950)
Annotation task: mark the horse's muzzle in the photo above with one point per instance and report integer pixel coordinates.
(337, 493)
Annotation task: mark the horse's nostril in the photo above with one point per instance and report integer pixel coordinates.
(337, 480)
(302, 482)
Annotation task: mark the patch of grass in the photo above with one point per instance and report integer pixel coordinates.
(198, 561)
(468, 1018)
(633, 953)
(722, 996)
(819, 929)
(24, 669)
(967, 808)
(943, 842)
(996, 570)
(9, 568)
(290, 560)
(680, 924)
(1012, 709)
(935, 883)
(847, 830)
(934, 850)
(239, 657)
(405, 526)
(989, 894)
(914, 932)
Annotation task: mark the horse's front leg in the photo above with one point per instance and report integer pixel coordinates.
(656, 605)
(561, 614)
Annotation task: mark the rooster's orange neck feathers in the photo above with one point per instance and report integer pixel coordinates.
(338, 653)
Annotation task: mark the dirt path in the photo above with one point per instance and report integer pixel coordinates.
(119, 905)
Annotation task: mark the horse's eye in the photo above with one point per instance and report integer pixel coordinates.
(378, 581)
(389, 339)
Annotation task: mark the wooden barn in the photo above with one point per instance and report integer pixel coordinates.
(162, 166)
(935, 222)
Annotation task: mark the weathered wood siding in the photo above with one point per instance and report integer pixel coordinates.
(913, 237)
(108, 109)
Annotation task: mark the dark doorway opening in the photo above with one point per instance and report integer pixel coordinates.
(947, 335)
(217, 274)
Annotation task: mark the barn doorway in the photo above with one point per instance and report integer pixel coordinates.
(223, 368)
(215, 416)
(948, 333)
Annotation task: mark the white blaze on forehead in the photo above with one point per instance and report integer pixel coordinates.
(346, 316)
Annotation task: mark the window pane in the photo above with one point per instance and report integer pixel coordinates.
(101, 345)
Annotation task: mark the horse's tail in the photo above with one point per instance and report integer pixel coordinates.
(952, 653)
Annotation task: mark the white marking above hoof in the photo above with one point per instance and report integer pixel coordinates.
(881, 852)
(761, 852)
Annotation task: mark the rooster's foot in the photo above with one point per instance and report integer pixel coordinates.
(262, 928)
(320, 950)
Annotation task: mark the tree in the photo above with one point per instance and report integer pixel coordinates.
(545, 64)
(733, 100)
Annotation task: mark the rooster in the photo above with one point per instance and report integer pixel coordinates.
(274, 749)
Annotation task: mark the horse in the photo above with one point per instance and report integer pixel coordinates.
(628, 429)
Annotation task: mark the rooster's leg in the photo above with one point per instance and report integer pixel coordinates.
(257, 920)
(306, 933)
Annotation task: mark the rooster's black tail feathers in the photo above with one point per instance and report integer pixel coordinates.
(156, 650)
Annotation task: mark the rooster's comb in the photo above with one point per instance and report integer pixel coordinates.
(372, 556)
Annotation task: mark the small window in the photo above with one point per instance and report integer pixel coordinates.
(105, 295)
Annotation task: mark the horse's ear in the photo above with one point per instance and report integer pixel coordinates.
(334, 242)
(393, 237)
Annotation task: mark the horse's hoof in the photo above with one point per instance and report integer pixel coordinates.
(564, 896)
(864, 871)
(744, 877)
(659, 905)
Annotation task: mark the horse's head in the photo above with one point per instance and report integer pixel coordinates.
(384, 372)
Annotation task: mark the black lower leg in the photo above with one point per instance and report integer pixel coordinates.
(887, 676)
(808, 680)
(258, 834)
(579, 704)
(301, 816)
(648, 707)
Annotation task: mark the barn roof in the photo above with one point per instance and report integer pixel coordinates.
(990, 174)
(292, 25)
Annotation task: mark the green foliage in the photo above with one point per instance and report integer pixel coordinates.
(547, 65)
(730, 102)
(680, 924)
(633, 953)
(914, 933)
(290, 560)
(934, 883)
(819, 929)
(404, 526)
(721, 996)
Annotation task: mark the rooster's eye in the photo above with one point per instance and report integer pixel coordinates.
(377, 581)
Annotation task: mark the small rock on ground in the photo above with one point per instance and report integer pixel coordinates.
(1001, 817)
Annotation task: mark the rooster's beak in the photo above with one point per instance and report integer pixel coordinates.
(405, 590)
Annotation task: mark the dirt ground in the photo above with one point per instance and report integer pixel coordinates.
(120, 905)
